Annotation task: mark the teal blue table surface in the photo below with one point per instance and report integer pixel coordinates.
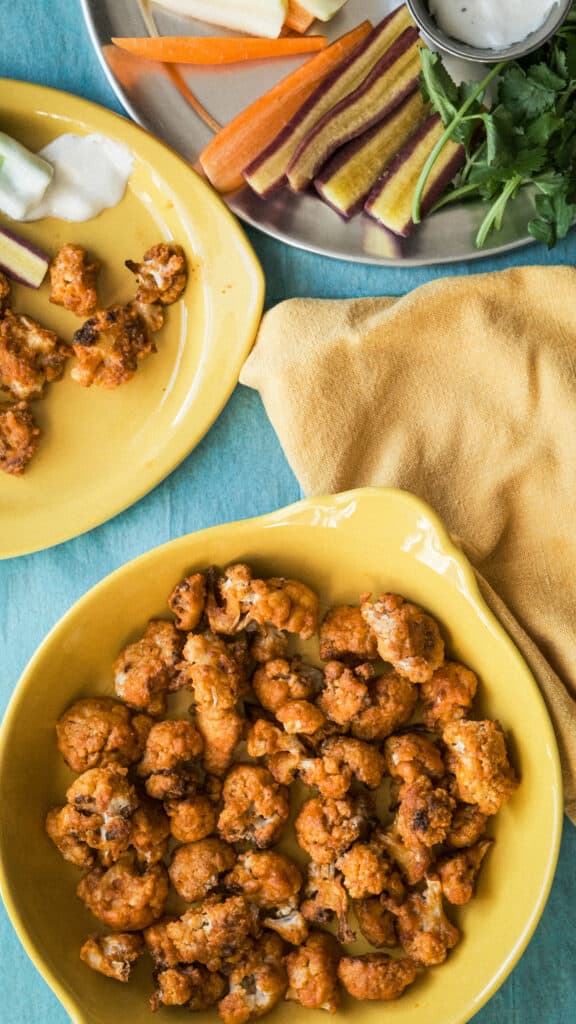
(237, 471)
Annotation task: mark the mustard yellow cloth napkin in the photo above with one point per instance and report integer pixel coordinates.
(463, 392)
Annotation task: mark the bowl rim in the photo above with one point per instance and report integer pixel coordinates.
(456, 48)
(287, 515)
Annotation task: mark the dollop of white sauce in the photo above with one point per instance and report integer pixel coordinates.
(490, 24)
(90, 174)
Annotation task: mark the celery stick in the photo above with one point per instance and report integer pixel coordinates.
(24, 178)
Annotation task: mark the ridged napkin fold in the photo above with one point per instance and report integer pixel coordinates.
(463, 392)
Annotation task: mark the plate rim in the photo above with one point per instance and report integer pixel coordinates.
(288, 515)
(38, 99)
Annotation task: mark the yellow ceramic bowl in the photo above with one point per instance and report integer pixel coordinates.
(342, 545)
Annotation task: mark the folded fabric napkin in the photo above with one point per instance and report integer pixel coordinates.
(463, 392)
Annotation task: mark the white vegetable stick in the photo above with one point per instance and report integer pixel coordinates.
(322, 9)
(255, 17)
(24, 178)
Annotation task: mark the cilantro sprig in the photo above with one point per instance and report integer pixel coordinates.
(523, 135)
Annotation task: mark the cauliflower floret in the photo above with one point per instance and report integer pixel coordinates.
(143, 670)
(325, 828)
(312, 973)
(365, 762)
(170, 764)
(30, 356)
(326, 898)
(458, 872)
(448, 695)
(162, 275)
(478, 757)
(267, 643)
(345, 636)
(221, 731)
(149, 832)
(467, 826)
(74, 835)
(159, 945)
(236, 599)
(216, 932)
(107, 797)
(73, 280)
(189, 985)
(266, 878)
(191, 819)
(196, 868)
(409, 755)
(99, 731)
(113, 955)
(376, 975)
(425, 932)
(257, 983)
(19, 438)
(367, 871)
(256, 807)
(300, 717)
(425, 813)
(329, 775)
(413, 860)
(187, 601)
(123, 897)
(283, 753)
(109, 346)
(345, 691)
(390, 703)
(279, 681)
(212, 671)
(376, 922)
(408, 638)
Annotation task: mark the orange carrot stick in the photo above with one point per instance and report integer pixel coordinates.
(217, 49)
(298, 19)
(240, 141)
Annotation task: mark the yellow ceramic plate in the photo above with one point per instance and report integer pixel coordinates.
(341, 545)
(101, 451)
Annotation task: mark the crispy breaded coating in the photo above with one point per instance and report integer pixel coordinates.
(448, 695)
(326, 898)
(216, 932)
(189, 985)
(170, 764)
(256, 807)
(279, 681)
(267, 643)
(123, 897)
(19, 437)
(282, 753)
(144, 670)
(149, 832)
(97, 731)
(410, 755)
(109, 347)
(467, 826)
(265, 877)
(376, 922)
(236, 599)
(73, 279)
(257, 983)
(300, 717)
(30, 356)
(107, 799)
(187, 601)
(345, 636)
(408, 638)
(345, 691)
(162, 275)
(376, 975)
(425, 813)
(458, 871)
(113, 955)
(312, 973)
(390, 703)
(424, 931)
(478, 757)
(367, 871)
(192, 818)
(159, 945)
(197, 868)
(325, 828)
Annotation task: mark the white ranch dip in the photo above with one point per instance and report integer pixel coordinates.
(490, 24)
(90, 174)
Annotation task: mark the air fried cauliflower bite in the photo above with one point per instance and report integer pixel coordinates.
(123, 897)
(376, 975)
(312, 973)
(408, 638)
(216, 932)
(162, 275)
(197, 868)
(326, 828)
(346, 636)
(478, 757)
(19, 437)
(257, 982)
(236, 599)
(256, 807)
(109, 346)
(448, 694)
(73, 280)
(144, 670)
(169, 765)
(30, 356)
(113, 955)
(189, 985)
(96, 731)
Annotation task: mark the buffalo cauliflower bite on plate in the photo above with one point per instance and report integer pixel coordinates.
(390, 812)
(73, 280)
(19, 437)
(162, 275)
(30, 356)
